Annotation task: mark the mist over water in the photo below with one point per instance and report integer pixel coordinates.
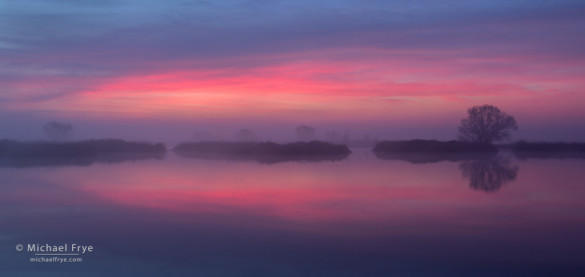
(173, 131)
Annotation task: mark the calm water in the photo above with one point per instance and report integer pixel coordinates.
(362, 216)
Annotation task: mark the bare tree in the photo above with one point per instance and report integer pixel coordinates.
(486, 124)
(305, 132)
(58, 131)
(245, 135)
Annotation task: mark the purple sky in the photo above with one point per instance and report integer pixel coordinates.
(162, 70)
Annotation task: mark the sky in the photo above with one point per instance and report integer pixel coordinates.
(170, 70)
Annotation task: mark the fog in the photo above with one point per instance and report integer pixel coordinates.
(29, 127)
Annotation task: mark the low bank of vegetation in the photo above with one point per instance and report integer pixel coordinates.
(312, 148)
(432, 146)
(524, 146)
(549, 150)
(17, 149)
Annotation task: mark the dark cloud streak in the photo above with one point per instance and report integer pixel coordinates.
(186, 36)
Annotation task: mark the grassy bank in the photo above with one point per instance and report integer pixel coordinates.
(432, 146)
(312, 148)
(549, 150)
(523, 146)
(422, 158)
(88, 148)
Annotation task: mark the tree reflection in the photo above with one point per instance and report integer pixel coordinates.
(488, 174)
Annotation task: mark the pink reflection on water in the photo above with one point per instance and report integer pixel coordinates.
(372, 192)
(360, 190)
(421, 210)
(298, 192)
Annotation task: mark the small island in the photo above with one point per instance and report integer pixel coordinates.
(45, 153)
(524, 146)
(543, 150)
(483, 126)
(264, 152)
(432, 151)
(18, 149)
(432, 146)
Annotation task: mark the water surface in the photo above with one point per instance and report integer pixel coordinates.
(361, 216)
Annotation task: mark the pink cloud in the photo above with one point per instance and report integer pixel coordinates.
(338, 84)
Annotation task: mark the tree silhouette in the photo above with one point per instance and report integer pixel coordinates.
(486, 124)
(305, 132)
(58, 130)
